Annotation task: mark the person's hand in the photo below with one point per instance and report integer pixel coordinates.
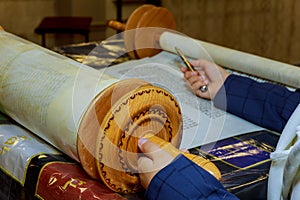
(207, 73)
(153, 161)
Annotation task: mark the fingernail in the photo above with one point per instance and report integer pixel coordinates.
(142, 141)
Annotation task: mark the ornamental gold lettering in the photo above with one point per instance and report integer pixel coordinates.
(73, 183)
(10, 142)
(3, 150)
(22, 137)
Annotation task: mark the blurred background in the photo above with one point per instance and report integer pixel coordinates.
(268, 28)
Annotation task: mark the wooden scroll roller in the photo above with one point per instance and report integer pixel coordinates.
(113, 123)
(134, 36)
(204, 163)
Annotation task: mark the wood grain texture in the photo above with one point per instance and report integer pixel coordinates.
(131, 25)
(117, 118)
(202, 162)
(143, 28)
(149, 28)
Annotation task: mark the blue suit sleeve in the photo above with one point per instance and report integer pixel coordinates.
(265, 104)
(184, 180)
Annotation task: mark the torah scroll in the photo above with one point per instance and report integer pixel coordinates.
(90, 116)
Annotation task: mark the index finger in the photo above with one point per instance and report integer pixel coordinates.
(189, 74)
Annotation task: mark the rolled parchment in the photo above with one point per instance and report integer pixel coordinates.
(236, 60)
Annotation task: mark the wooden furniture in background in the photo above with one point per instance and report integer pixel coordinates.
(64, 25)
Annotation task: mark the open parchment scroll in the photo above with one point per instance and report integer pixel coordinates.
(89, 115)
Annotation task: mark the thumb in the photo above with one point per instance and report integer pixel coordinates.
(146, 162)
(148, 148)
(152, 152)
(153, 160)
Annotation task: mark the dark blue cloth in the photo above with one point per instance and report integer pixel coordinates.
(184, 180)
(265, 104)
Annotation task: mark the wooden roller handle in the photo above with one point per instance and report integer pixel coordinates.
(1, 29)
(202, 162)
(118, 26)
